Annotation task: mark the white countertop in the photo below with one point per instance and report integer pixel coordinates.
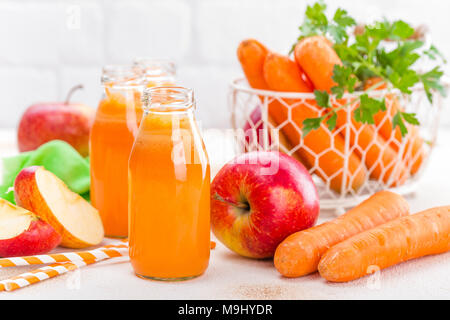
(230, 276)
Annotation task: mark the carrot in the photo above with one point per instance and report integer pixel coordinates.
(381, 160)
(400, 240)
(300, 253)
(251, 55)
(414, 153)
(283, 74)
(317, 58)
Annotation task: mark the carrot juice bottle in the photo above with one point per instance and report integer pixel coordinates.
(169, 189)
(112, 136)
(113, 133)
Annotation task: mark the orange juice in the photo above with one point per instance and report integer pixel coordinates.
(112, 136)
(169, 190)
(113, 133)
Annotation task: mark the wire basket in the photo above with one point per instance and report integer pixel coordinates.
(358, 169)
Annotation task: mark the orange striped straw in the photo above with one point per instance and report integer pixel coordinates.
(106, 252)
(38, 275)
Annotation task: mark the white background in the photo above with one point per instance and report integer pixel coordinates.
(48, 46)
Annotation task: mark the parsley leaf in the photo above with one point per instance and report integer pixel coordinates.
(433, 53)
(397, 121)
(332, 121)
(368, 107)
(311, 124)
(431, 80)
(317, 23)
(322, 98)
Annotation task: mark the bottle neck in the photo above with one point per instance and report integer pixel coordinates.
(122, 76)
(157, 71)
(168, 100)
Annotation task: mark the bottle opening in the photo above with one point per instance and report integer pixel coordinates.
(122, 75)
(166, 99)
(163, 69)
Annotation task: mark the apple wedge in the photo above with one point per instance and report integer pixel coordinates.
(22, 233)
(40, 191)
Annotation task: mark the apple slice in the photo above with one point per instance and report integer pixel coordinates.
(40, 191)
(22, 233)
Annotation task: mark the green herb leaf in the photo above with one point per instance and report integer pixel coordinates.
(400, 30)
(410, 118)
(322, 98)
(311, 124)
(433, 53)
(368, 108)
(331, 122)
(397, 121)
(342, 18)
(345, 78)
(431, 80)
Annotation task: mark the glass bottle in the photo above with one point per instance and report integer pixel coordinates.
(112, 135)
(169, 189)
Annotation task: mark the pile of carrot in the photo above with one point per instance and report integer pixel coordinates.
(376, 234)
(374, 149)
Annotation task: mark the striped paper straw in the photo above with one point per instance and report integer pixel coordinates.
(106, 252)
(38, 275)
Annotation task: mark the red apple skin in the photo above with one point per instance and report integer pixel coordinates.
(278, 204)
(255, 123)
(39, 238)
(44, 122)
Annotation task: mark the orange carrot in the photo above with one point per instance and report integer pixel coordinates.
(382, 161)
(414, 152)
(300, 253)
(317, 58)
(283, 74)
(400, 240)
(251, 55)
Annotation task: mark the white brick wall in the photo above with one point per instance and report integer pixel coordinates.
(48, 45)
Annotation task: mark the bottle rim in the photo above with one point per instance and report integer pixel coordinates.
(168, 98)
(122, 75)
(156, 67)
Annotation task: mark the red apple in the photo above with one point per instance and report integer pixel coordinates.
(254, 128)
(22, 233)
(260, 198)
(43, 122)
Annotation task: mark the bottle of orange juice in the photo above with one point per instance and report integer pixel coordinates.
(113, 133)
(169, 189)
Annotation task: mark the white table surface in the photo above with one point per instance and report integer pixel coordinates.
(230, 276)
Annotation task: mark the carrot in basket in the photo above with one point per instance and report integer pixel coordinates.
(414, 153)
(251, 54)
(317, 58)
(400, 240)
(300, 253)
(283, 74)
(381, 160)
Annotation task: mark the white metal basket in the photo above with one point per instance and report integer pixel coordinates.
(263, 133)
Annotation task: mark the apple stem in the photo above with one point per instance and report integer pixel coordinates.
(69, 95)
(243, 206)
